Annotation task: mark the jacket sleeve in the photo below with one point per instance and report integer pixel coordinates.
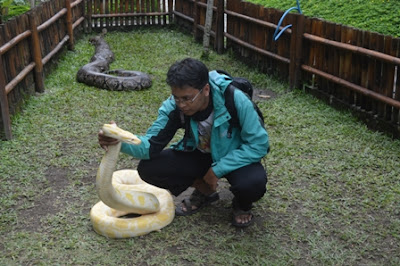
(158, 135)
(254, 140)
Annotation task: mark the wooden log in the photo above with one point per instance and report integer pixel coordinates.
(374, 95)
(68, 20)
(36, 53)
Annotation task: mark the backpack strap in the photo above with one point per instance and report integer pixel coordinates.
(230, 105)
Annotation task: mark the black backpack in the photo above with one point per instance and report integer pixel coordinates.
(244, 85)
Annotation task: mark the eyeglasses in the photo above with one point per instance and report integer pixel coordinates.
(186, 100)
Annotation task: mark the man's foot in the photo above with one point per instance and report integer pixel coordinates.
(242, 218)
(195, 202)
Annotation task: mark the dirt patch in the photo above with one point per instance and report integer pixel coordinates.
(263, 95)
(48, 203)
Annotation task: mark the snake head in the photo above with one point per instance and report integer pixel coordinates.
(113, 131)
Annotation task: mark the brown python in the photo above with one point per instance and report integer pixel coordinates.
(97, 73)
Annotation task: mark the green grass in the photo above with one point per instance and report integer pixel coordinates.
(382, 16)
(333, 193)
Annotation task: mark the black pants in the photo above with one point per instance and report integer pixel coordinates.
(177, 170)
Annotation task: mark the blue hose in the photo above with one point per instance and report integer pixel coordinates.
(278, 34)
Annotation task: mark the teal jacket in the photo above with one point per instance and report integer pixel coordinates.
(246, 145)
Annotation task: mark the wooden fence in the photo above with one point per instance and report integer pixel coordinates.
(27, 44)
(345, 66)
(126, 14)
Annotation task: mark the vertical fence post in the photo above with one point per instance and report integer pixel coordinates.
(196, 17)
(37, 54)
(296, 43)
(219, 35)
(89, 14)
(70, 30)
(171, 11)
(5, 113)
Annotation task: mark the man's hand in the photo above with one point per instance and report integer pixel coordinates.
(105, 141)
(211, 179)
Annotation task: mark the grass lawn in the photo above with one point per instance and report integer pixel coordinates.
(381, 16)
(333, 193)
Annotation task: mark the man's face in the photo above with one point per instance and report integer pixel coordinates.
(190, 100)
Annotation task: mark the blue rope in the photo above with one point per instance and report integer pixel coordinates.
(276, 34)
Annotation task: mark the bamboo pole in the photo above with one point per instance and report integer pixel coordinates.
(355, 49)
(354, 87)
(68, 21)
(37, 54)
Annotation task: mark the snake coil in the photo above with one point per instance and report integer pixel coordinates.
(123, 192)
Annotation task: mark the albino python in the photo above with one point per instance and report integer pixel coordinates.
(123, 192)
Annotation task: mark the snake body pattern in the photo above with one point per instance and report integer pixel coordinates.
(123, 192)
(97, 73)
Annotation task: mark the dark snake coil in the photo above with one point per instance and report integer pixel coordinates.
(97, 72)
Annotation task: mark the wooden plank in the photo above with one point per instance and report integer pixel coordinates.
(329, 33)
(170, 9)
(233, 23)
(336, 56)
(107, 23)
(296, 45)
(252, 10)
(138, 10)
(396, 112)
(124, 8)
(365, 68)
(152, 10)
(311, 28)
(26, 51)
(10, 56)
(378, 75)
(388, 77)
(4, 105)
(355, 68)
(268, 42)
(5, 113)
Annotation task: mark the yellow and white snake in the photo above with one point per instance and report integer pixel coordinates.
(124, 192)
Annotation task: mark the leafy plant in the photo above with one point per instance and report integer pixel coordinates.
(11, 8)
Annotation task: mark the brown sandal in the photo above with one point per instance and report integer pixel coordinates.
(197, 199)
(238, 212)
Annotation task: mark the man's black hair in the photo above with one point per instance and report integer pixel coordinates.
(187, 72)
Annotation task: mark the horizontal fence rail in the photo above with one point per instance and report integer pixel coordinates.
(347, 67)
